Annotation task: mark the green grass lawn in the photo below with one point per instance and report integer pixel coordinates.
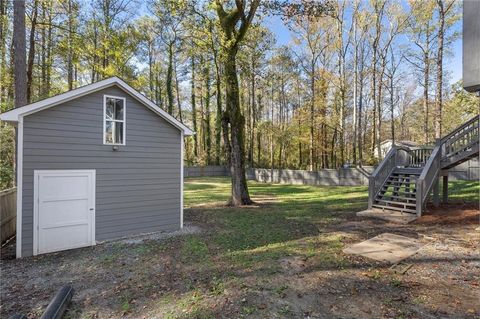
(467, 191)
(286, 212)
(283, 213)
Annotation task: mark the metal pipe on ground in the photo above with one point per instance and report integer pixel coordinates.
(59, 303)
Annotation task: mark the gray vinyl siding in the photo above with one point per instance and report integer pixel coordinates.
(137, 188)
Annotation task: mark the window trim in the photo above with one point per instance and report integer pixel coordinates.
(105, 119)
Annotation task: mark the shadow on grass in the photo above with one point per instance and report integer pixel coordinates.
(468, 191)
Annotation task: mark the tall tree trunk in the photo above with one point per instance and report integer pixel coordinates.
(253, 114)
(355, 89)
(202, 134)
(93, 71)
(312, 114)
(438, 92)
(70, 45)
(158, 100)
(43, 53)
(31, 51)
(240, 195)
(323, 125)
(169, 80)
(281, 119)
(379, 106)
(218, 117)
(333, 159)
(342, 117)
(194, 109)
(19, 53)
(360, 110)
(341, 76)
(233, 121)
(259, 134)
(379, 7)
(151, 62)
(300, 159)
(392, 109)
(3, 52)
(49, 58)
(177, 89)
(207, 132)
(272, 142)
(374, 98)
(426, 76)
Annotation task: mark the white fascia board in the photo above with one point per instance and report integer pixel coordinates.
(13, 115)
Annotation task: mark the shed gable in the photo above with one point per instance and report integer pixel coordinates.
(16, 114)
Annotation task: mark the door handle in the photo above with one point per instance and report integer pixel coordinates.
(92, 208)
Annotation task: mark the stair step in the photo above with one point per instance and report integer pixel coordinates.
(405, 210)
(385, 189)
(391, 183)
(396, 202)
(408, 170)
(397, 181)
(397, 177)
(402, 175)
(403, 198)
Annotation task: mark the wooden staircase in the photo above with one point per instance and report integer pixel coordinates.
(404, 179)
(398, 192)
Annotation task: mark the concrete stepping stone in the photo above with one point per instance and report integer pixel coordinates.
(387, 247)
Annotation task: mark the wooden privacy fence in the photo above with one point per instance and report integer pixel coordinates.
(8, 213)
(469, 170)
(325, 177)
(202, 171)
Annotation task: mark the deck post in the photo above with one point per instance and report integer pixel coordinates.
(371, 191)
(445, 189)
(436, 193)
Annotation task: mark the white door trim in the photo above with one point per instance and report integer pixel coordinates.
(36, 175)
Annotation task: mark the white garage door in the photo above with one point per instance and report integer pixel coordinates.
(64, 210)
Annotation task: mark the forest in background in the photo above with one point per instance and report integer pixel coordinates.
(363, 72)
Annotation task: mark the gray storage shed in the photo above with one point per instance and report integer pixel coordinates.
(96, 163)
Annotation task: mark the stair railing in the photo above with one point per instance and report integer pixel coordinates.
(461, 138)
(397, 156)
(428, 177)
(419, 155)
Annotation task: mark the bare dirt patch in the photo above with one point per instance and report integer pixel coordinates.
(453, 213)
